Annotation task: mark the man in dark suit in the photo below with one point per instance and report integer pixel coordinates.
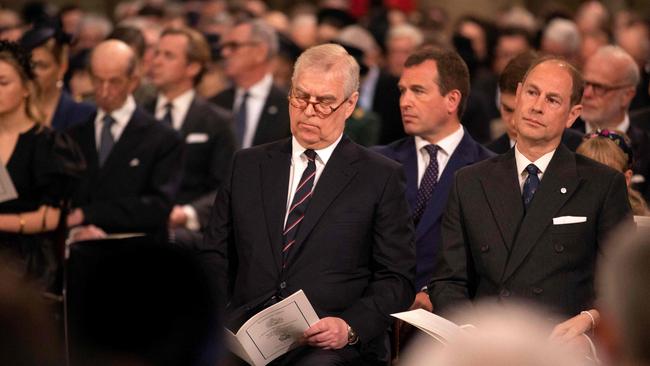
(434, 87)
(260, 108)
(133, 161)
(320, 213)
(611, 76)
(511, 76)
(178, 65)
(529, 224)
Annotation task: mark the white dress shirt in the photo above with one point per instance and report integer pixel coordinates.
(299, 164)
(523, 162)
(180, 106)
(447, 147)
(257, 95)
(623, 126)
(121, 116)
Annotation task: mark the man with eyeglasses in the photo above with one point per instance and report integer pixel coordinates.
(611, 76)
(317, 213)
(259, 108)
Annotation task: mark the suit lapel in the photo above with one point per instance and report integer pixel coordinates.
(88, 143)
(128, 141)
(560, 176)
(275, 182)
(501, 188)
(193, 114)
(406, 154)
(267, 118)
(335, 177)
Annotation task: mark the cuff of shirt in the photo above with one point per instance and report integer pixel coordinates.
(192, 218)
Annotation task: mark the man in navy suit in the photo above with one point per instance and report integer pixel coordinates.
(133, 160)
(434, 88)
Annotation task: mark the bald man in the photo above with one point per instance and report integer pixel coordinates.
(134, 162)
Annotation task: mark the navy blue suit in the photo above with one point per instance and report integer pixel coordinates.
(427, 235)
(68, 112)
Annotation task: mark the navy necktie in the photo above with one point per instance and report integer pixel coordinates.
(241, 119)
(427, 184)
(299, 205)
(167, 118)
(106, 140)
(530, 185)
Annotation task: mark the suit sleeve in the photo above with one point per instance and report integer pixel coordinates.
(393, 262)
(454, 270)
(150, 209)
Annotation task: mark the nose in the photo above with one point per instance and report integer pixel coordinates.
(538, 105)
(405, 99)
(310, 109)
(588, 91)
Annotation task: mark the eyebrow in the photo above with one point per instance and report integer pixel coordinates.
(319, 97)
(548, 94)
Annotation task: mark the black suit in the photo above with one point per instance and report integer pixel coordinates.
(640, 140)
(354, 255)
(274, 121)
(491, 249)
(209, 145)
(385, 103)
(135, 188)
(570, 138)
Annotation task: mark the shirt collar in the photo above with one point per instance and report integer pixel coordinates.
(182, 101)
(623, 126)
(541, 163)
(121, 115)
(324, 154)
(447, 144)
(259, 89)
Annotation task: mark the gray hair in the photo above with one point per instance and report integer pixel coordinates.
(330, 58)
(262, 32)
(631, 72)
(405, 31)
(359, 37)
(96, 22)
(623, 280)
(565, 32)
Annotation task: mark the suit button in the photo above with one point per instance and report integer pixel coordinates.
(485, 248)
(537, 290)
(559, 248)
(505, 292)
(283, 285)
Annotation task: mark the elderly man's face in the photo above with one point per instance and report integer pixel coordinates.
(543, 105)
(111, 82)
(313, 129)
(607, 93)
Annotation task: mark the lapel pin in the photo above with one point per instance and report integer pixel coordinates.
(135, 162)
(563, 190)
(272, 109)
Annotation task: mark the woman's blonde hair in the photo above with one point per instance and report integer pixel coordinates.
(20, 60)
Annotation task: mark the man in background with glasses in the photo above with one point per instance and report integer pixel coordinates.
(317, 213)
(611, 76)
(259, 108)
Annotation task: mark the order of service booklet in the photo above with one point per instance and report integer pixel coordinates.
(436, 326)
(7, 189)
(273, 331)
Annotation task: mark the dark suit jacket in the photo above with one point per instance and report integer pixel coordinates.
(386, 104)
(427, 232)
(135, 189)
(354, 255)
(570, 138)
(69, 113)
(274, 120)
(490, 249)
(640, 140)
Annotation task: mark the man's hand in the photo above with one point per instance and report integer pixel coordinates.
(88, 232)
(422, 301)
(574, 327)
(327, 333)
(177, 218)
(75, 217)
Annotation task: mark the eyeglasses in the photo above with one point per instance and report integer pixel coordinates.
(322, 108)
(234, 46)
(601, 89)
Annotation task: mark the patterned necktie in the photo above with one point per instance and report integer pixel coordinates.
(427, 184)
(167, 118)
(241, 119)
(530, 185)
(299, 205)
(106, 140)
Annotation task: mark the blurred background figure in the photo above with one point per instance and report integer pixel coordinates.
(10, 25)
(500, 335)
(612, 148)
(561, 37)
(42, 165)
(49, 47)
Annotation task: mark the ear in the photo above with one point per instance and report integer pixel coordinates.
(63, 67)
(518, 92)
(574, 113)
(453, 101)
(350, 104)
(628, 95)
(628, 177)
(134, 82)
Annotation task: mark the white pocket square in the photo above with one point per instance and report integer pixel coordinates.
(563, 220)
(196, 138)
(135, 162)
